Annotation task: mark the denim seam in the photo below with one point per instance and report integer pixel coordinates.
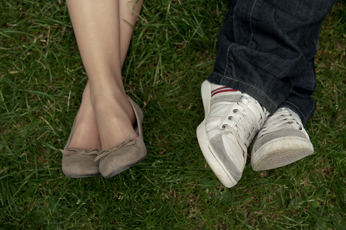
(249, 86)
(250, 20)
(312, 74)
(296, 108)
(312, 80)
(227, 58)
(223, 37)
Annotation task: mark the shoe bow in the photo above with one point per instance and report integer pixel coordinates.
(70, 151)
(123, 144)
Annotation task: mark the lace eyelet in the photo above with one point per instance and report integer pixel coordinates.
(223, 126)
(235, 110)
(230, 118)
(300, 128)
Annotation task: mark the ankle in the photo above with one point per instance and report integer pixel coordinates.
(118, 105)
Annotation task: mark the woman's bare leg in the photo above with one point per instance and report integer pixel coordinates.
(129, 11)
(103, 40)
(85, 134)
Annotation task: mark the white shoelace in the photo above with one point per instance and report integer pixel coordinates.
(242, 121)
(283, 118)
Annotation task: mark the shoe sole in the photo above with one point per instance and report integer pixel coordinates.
(213, 161)
(81, 176)
(281, 152)
(116, 172)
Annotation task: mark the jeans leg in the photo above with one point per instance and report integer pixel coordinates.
(303, 86)
(266, 49)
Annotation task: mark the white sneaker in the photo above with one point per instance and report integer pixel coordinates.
(282, 141)
(231, 121)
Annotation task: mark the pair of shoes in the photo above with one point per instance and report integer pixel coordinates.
(232, 119)
(79, 163)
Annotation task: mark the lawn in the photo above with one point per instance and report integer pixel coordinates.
(172, 52)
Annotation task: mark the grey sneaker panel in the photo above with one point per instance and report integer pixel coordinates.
(219, 149)
(228, 98)
(277, 134)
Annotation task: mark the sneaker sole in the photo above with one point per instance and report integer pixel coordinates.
(281, 152)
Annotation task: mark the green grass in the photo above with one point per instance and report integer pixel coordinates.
(172, 52)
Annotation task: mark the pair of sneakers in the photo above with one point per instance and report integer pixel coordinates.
(232, 120)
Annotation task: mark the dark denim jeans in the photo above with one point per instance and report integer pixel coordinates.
(266, 49)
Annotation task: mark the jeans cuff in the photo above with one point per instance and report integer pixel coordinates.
(244, 87)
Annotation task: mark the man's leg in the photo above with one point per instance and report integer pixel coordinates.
(265, 52)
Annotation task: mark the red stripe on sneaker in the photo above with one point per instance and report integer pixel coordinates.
(219, 89)
(214, 92)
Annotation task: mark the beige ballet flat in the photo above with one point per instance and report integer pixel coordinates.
(79, 163)
(126, 154)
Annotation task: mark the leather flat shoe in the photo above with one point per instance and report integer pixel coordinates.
(79, 163)
(126, 154)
